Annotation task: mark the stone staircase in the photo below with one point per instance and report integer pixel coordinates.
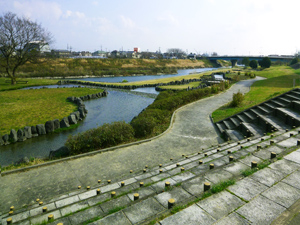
(144, 196)
(279, 113)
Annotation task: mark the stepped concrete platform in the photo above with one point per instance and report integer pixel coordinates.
(259, 198)
(281, 112)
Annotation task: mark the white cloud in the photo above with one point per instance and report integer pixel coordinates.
(38, 9)
(76, 15)
(95, 3)
(127, 22)
(167, 17)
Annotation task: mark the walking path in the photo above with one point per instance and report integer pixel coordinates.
(192, 130)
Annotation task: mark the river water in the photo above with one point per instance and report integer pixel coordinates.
(119, 105)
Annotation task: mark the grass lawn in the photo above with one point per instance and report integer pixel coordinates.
(279, 80)
(31, 82)
(182, 87)
(21, 108)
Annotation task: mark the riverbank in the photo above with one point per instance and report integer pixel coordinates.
(103, 67)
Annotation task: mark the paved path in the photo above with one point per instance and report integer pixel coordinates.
(192, 130)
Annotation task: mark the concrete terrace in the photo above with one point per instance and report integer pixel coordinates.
(192, 131)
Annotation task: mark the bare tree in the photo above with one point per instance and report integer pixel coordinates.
(177, 52)
(20, 41)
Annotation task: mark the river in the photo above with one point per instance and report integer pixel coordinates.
(119, 105)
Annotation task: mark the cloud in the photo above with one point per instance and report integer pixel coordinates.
(38, 9)
(95, 3)
(76, 15)
(127, 22)
(168, 18)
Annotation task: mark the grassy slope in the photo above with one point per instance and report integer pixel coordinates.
(100, 67)
(21, 108)
(279, 80)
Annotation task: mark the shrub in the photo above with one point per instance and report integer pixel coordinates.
(104, 136)
(143, 126)
(237, 99)
(253, 64)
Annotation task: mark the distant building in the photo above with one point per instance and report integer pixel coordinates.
(86, 53)
(101, 54)
(136, 49)
(191, 56)
(41, 46)
(61, 53)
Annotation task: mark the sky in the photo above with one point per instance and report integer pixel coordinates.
(228, 27)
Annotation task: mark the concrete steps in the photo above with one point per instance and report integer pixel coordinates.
(84, 206)
(279, 113)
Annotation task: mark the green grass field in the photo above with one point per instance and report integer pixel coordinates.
(4, 86)
(279, 80)
(21, 108)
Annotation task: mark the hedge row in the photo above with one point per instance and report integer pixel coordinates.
(152, 121)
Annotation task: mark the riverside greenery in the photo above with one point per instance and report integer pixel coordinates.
(100, 67)
(279, 79)
(152, 121)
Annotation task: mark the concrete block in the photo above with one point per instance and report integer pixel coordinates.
(232, 219)
(117, 202)
(294, 157)
(293, 179)
(73, 208)
(143, 192)
(143, 176)
(128, 181)
(160, 186)
(66, 201)
(236, 168)
(218, 176)
(247, 188)
(98, 199)
(159, 177)
(44, 217)
(283, 194)
(290, 142)
(248, 159)
(285, 166)
(39, 210)
(110, 187)
(178, 194)
(220, 204)
(117, 218)
(261, 210)
(189, 216)
(183, 176)
(268, 176)
(17, 217)
(83, 216)
(143, 210)
(200, 169)
(87, 194)
(194, 186)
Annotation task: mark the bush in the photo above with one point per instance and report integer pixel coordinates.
(143, 126)
(253, 64)
(104, 136)
(156, 117)
(237, 99)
